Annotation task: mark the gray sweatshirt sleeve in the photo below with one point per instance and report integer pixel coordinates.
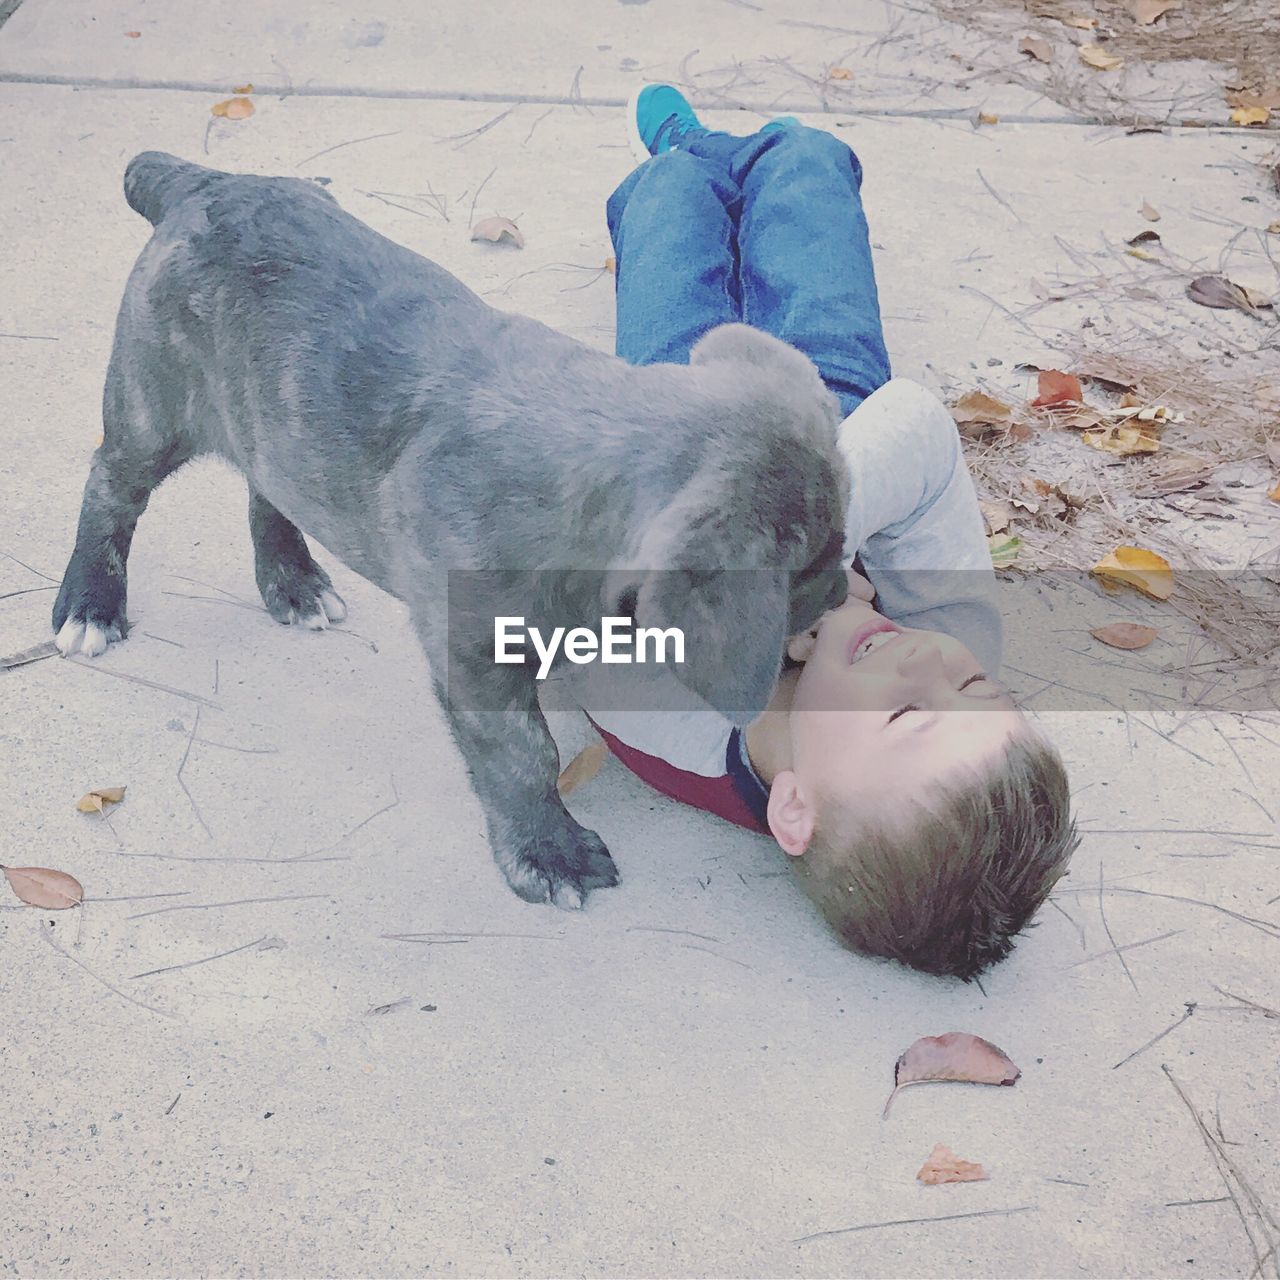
(914, 519)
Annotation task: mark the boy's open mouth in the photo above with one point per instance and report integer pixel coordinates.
(870, 637)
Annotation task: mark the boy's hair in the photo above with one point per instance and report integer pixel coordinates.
(947, 889)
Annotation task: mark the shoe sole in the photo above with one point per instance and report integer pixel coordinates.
(639, 152)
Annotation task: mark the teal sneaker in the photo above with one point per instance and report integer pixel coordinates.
(658, 118)
(781, 122)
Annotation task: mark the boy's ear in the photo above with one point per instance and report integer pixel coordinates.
(790, 814)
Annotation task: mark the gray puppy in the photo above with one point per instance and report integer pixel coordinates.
(375, 402)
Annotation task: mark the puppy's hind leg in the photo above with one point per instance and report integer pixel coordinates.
(294, 588)
(90, 611)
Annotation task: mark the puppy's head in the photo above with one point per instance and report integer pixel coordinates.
(749, 549)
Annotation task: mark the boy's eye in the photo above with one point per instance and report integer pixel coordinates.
(902, 711)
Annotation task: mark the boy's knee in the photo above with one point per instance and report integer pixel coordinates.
(802, 144)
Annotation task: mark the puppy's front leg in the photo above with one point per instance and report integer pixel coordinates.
(545, 855)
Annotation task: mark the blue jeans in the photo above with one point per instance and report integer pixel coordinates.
(768, 230)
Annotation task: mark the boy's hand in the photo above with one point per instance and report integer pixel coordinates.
(859, 587)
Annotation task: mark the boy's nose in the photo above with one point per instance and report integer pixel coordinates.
(920, 659)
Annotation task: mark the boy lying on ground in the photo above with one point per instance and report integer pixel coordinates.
(922, 813)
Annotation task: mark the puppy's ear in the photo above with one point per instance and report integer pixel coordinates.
(745, 345)
(734, 627)
(780, 362)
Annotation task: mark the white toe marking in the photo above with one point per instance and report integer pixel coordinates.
(333, 606)
(68, 639)
(94, 642)
(315, 621)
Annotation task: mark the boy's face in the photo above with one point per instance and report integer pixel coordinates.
(879, 712)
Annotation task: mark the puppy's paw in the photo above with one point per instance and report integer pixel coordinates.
(560, 868)
(300, 596)
(89, 613)
(84, 637)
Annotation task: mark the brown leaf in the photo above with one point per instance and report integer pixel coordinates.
(1039, 49)
(954, 1056)
(611, 264)
(1149, 212)
(1144, 237)
(497, 229)
(233, 109)
(977, 406)
(996, 516)
(94, 800)
(1094, 55)
(243, 88)
(1135, 566)
(582, 768)
(133, 35)
(839, 73)
(943, 1165)
(1274, 495)
(1145, 12)
(1222, 294)
(1125, 635)
(1274, 229)
(1057, 388)
(1268, 98)
(41, 887)
(988, 117)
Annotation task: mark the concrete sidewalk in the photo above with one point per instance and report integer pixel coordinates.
(686, 1079)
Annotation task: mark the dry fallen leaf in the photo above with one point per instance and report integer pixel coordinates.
(1125, 635)
(988, 117)
(41, 887)
(1224, 295)
(1094, 55)
(996, 516)
(839, 73)
(1274, 229)
(1144, 237)
(1274, 495)
(943, 1165)
(1142, 255)
(1082, 22)
(1241, 97)
(954, 1056)
(1149, 212)
(980, 408)
(1145, 570)
(1039, 49)
(497, 229)
(1145, 12)
(1122, 439)
(233, 109)
(611, 264)
(133, 35)
(582, 768)
(1056, 388)
(1250, 115)
(243, 88)
(95, 799)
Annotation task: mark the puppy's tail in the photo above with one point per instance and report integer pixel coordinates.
(155, 181)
